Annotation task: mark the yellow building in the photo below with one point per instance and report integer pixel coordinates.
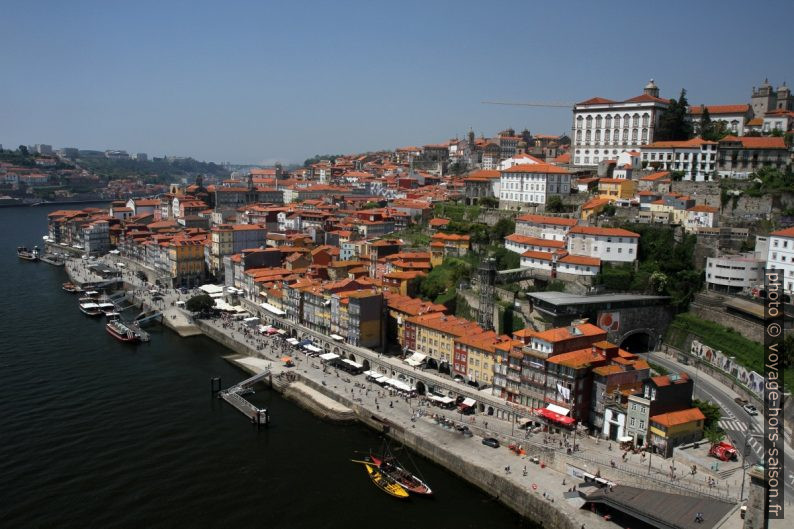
(401, 307)
(593, 207)
(221, 244)
(668, 430)
(186, 262)
(616, 188)
(434, 335)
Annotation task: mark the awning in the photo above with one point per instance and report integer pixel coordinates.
(312, 348)
(304, 342)
(399, 384)
(555, 417)
(273, 310)
(557, 409)
(292, 341)
(625, 439)
(467, 403)
(352, 363)
(415, 359)
(442, 400)
(329, 356)
(337, 337)
(373, 374)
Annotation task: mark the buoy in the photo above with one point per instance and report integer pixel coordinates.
(534, 486)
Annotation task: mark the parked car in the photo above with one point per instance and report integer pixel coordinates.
(749, 408)
(740, 401)
(490, 441)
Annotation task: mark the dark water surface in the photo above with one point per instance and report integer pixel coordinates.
(96, 433)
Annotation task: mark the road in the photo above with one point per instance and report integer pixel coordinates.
(740, 427)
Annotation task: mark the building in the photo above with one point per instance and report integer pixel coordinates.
(606, 244)
(695, 158)
(735, 117)
(660, 394)
(701, 216)
(781, 256)
(739, 157)
(186, 262)
(779, 120)
(543, 227)
(668, 430)
(534, 183)
(603, 128)
(766, 99)
(734, 273)
(434, 334)
(614, 189)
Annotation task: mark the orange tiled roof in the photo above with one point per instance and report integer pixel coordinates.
(676, 418)
(603, 232)
(542, 168)
(720, 109)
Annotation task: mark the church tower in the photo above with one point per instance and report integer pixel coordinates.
(764, 99)
(651, 89)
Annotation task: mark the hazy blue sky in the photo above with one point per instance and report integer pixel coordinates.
(264, 81)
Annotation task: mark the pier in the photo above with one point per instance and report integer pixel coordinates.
(232, 396)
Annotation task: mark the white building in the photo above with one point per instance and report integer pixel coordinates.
(560, 262)
(532, 184)
(734, 273)
(607, 244)
(735, 117)
(781, 256)
(521, 243)
(518, 159)
(696, 158)
(779, 119)
(701, 216)
(543, 227)
(602, 128)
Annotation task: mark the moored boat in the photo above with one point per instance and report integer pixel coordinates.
(89, 308)
(392, 469)
(28, 255)
(122, 332)
(70, 287)
(385, 484)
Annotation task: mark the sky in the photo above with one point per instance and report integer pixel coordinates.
(257, 82)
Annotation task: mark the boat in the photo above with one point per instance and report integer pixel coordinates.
(385, 484)
(394, 471)
(122, 332)
(71, 287)
(54, 260)
(89, 308)
(106, 307)
(28, 255)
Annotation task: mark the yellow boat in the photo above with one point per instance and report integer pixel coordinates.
(385, 484)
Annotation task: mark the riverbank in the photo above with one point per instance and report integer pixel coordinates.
(537, 491)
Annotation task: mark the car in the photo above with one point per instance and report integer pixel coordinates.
(750, 409)
(740, 401)
(490, 441)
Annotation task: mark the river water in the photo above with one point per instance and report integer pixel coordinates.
(99, 434)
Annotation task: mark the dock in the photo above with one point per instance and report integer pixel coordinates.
(233, 396)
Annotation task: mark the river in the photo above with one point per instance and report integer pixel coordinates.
(96, 433)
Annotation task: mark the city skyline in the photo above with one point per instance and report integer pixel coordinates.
(259, 84)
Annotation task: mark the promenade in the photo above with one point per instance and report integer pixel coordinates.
(547, 479)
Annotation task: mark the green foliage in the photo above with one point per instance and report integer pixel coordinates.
(440, 284)
(788, 351)
(413, 235)
(200, 303)
(711, 411)
(715, 131)
(505, 259)
(771, 180)
(489, 202)
(555, 205)
(502, 229)
(555, 286)
(674, 124)
(609, 210)
(676, 176)
(157, 170)
(318, 157)
(370, 205)
(665, 267)
(713, 434)
(463, 309)
(21, 158)
(510, 322)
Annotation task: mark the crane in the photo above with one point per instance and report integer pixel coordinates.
(557, 104)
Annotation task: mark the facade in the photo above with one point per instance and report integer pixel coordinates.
(602, 128)
(696, 158)
(614, 189)
(186, 262)
(735, 117)
(766, 99)
(734, 273)
(607, 244)
(543, 227)
(96, 238)
(675, 428)
(781, 256)
(528, 184)
(740, 157)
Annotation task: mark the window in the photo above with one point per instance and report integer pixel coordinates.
(632, 421)
(642, 423)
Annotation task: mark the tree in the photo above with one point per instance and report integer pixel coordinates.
(23, 150)
(711, 411)
(674, 123)
(489, 202)
(502, 229)
(200, 303)
(713, 435)
(705, 123)
(555, 205)
(788, 350)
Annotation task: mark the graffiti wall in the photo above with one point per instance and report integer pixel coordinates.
(750, 379)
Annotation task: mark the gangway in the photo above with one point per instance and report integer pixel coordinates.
(145, 317)
(256, 415)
